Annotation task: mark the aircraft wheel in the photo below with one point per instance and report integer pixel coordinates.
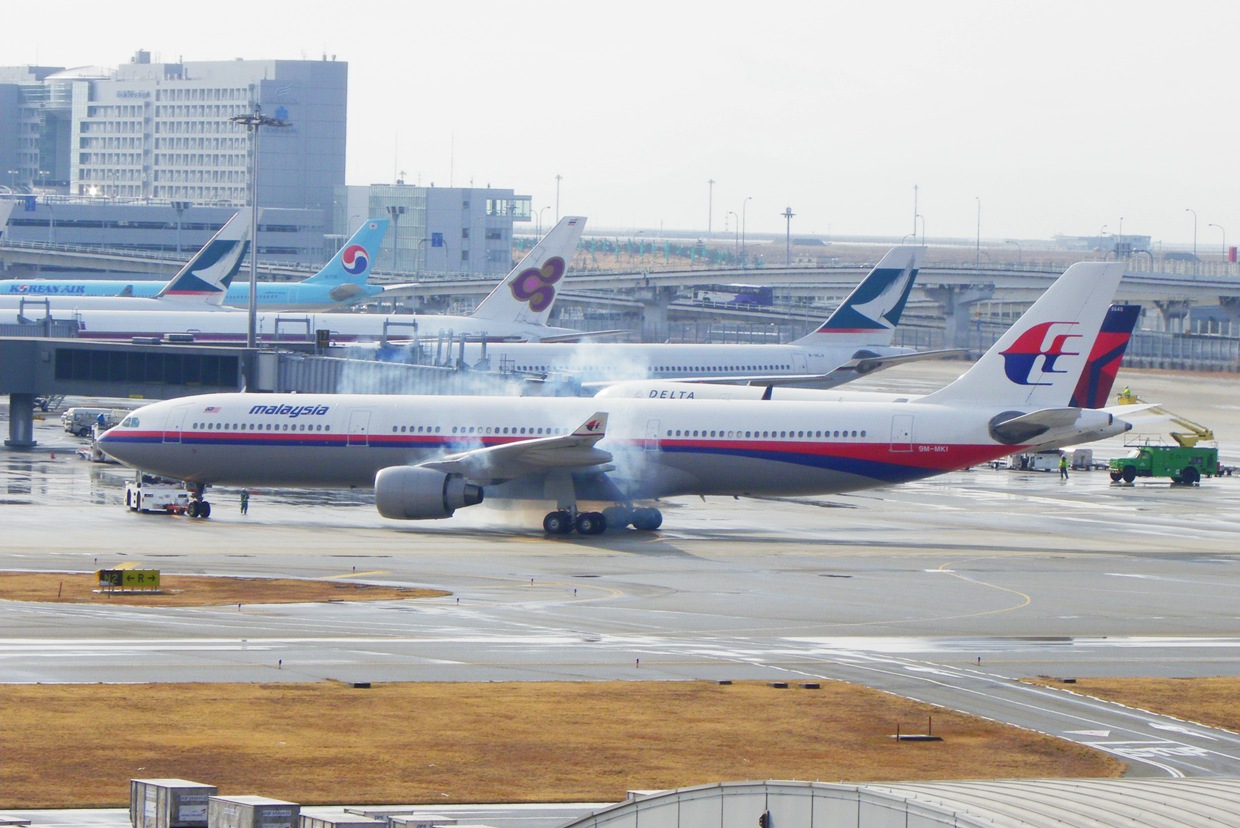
(1116, 477)
(591, 523)
(204, 509)
(618, 517)
(1129, 473)
(647, 519)
(192, 509)
(558, 523)
(1190, 476)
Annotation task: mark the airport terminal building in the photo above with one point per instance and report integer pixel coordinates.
(146, 156)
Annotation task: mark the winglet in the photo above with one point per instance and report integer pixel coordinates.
(207, 275)
(1094, 387)
(595, 426)
(872, 310)
(529, 290)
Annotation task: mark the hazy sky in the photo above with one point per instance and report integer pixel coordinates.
(1059, 117)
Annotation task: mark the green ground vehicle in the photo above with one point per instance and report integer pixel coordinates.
(1183, 464)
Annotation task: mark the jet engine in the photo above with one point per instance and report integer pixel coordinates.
(413, 493)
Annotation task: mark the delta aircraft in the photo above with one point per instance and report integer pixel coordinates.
(518, 308)
(342, 282)
(428, 456)
(853, 341)
(199, 285)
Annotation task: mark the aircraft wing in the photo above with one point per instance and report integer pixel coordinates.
(584, 336)
(493, 464)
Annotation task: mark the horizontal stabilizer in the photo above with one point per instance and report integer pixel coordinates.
(1048, 424)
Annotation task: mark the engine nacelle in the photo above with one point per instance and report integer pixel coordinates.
(410, 493)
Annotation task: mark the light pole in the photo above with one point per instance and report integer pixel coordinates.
(1224, 232)
(744, 245)
(977, 255)
(710, 207)
(252, 122)
(922, 218)
(558, 177)
(1020, 254)
(788, 214)
(180, 207)
(395, 211)
(1194, 212)
(539, 214)
(417, 259)
(737, 232)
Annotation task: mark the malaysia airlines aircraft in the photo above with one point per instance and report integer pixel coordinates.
(201, 284)
(342, 282)
(518, 308)
(1092, 390)
(855, 340)
(428, 456)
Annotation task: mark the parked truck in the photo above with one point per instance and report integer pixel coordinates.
(1187, 461)
(79, 420)
(1183, 464)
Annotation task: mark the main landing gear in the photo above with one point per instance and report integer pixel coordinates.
(564, 521)
(198, 506)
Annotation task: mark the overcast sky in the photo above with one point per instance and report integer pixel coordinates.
(1055, 117)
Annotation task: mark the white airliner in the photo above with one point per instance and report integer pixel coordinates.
(200, 285)
(517, 308)
(427, 456)
(855, 340)
(343, 281)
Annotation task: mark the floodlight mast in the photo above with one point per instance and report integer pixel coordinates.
(252, 122)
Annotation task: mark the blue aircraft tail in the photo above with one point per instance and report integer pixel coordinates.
(352, 264)
(871, 312)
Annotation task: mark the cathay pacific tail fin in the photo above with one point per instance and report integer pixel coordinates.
(529, 290)
(205, 278)
(1039, 361)
(872, 310)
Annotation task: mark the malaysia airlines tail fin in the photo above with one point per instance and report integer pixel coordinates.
(354, 261)
(1094, 388)
(205, 278)
(1039, 362)
(870, 313)
(529, 290)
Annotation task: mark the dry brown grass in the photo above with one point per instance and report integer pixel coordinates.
(1208, 701)
(78, 745)
(197, 591)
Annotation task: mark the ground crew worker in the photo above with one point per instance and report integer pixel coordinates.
(245, 501)
(1063, 467)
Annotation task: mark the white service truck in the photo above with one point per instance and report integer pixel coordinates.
(148, 493)
(80, 419)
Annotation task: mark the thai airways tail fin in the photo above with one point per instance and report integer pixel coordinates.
(1038, 363)
(870, 313)
(354, 261)
(1094, 388)
(205, 278)
(529, 290)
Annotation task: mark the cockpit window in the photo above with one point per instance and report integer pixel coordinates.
(130, 422)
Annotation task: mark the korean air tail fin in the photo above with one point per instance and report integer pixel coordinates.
(355, 260)
(205, 278)
(870, 313)
(1094, 387)
(1039, 362)
(529, 290)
